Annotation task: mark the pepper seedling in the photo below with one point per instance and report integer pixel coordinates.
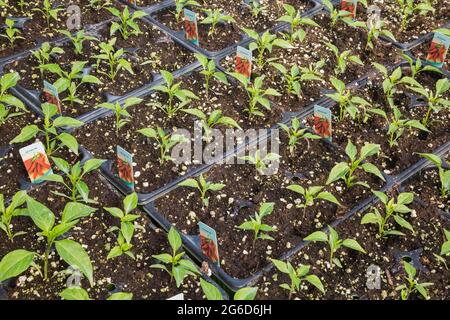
(214, 17)
(345, 171)
(261, 163)
(374, 31)
(99, 4)
(53, 140)
(444, 175)
(311, 194)
(203, 186)
(256, 224)
(44, 53)
(49, 11)
(172, 90)
(416, 66)
(7, 81)
(296, 134)
(336, 14)
(79, 190)
(412, 285)
(209, 72)
(392, 209)
(70, 251)
(180, 5)
(296, 22)
(68, 80)
(297, 276)
(445, 250)
(165, 141)
(334, 243)
(343, 58)
(212, 293)
(216, 118)
(12, 210)
(179, 267)
(410, 7)
(78, 39)
(127, 227)
(120, 111)
(11, 32)
(128, 23)
(257, 95)
(114, 59)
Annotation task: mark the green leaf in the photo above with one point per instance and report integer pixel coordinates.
(246, 293)
(69, 141)
(405, 198)
(328, 197)
(315, 281)
(74, 293)
(369, 149)
(67, 122)
(191, 183)
(317, 236)
(353, 244)
(174, 239)
(338, 172)
(74, 255)
(75, 210)
(26, 134)
(15, 263)
(211, 292)
(403, 223)
(121, 296)
(92, 164)
(130, 202)
(42, 217)
(371, 168)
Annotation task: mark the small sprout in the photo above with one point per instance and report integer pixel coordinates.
(214, 17)
(412, 285)
(256, 224)
(127, 25)
(343, 58)
(296, 134)
(114, 59)
(296, 21)
(11, 32)
(44, 53)
(209, 72)
(444, 175)
(14, 209)
(180, 5)
(203, 186)
(7, 81)
(216, 118)
(78, 39)
(311, 194)
(262, 163)
(49, 11)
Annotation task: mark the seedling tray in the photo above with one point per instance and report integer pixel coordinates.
(152, 7)
(179, 35)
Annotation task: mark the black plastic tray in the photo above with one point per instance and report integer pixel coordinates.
(147, 8)
(221, 53)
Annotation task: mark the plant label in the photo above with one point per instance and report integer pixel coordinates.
(350, 6)
(51, 95)
(438, 50)
(243, 62)
(208, 242)
(125, 167)
(179, 296)
(322, 122)
(36, 161)
(190, 26)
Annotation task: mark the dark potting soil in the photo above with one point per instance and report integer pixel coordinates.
(239, 257)
(121, 274)
(351, 281)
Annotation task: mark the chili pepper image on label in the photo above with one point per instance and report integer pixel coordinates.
(36, 161)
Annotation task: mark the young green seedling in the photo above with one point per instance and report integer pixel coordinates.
(209, 72)
(416, 66)
(260, 229)
(296, 22)
(295, 77)
(334, 243)
(412, 285)
(172, 90)
(392, 210)
(214, 17)
(212, 293)
(336, 14)
(49, 11)
(203, 186)
(343, 58)
(78, 189)
(390, 82)
(53, 140)
(44, 53)
(7, 81)
(216, 118)
(348, 104)
(69, 251)
(444, 174)
(256, 7)
(78, 39)
(374, 31)
(128, 23)
(68, 80)
(311, 195)
(12, 210)
(297, 276)
(11, 32)
(180, 5)
(179, 266)
(410, 7)
(99, 4)
(345, 170)
(261, 163)
(265, 43)
(257, 95)
(165, 141)
(445, 250)
(120, 111)
(435, 100)
(296, 134)
(114, 59)
(127, 227)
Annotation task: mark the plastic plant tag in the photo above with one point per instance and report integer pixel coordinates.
(51, 95)
(125, 167)
(322, 122)
(179, 296)
(36, 161)
(190, 26)
(438, 50)
(208, 242)
(243, 62)
(350, 6)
